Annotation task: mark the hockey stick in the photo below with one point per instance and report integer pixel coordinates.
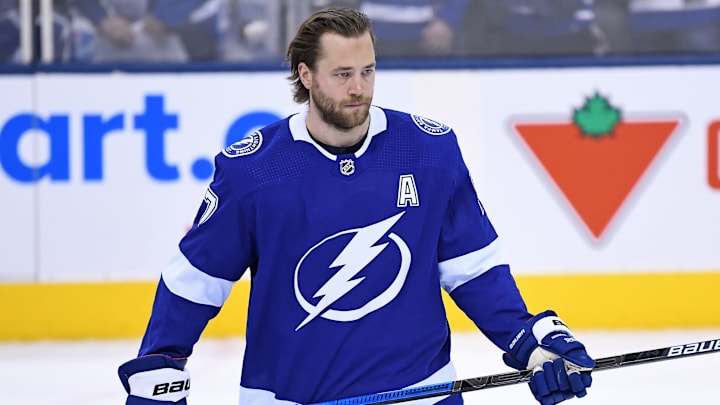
(516, 377)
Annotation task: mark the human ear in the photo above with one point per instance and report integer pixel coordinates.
(305, 75)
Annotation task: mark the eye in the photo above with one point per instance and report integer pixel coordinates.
(343, 75)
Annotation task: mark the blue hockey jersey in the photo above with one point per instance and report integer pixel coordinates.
(347, 256)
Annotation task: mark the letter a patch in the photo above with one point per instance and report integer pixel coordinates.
(407, 192)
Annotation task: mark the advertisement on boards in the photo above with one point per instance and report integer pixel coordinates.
(604, 169)
(583, 170)
(18, 260)
(111, 170)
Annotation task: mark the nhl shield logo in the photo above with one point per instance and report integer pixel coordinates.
(347, 167)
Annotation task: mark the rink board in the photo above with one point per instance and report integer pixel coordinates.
(90, 212)
(597, 302)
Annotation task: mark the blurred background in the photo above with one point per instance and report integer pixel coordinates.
(101, 31)
(591, 128)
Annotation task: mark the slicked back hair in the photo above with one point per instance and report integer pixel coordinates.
(305, 47)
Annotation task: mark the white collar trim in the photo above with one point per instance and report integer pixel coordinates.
(378, 124)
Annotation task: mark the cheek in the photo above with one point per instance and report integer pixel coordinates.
(370, 83)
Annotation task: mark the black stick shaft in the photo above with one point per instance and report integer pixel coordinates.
(516, 377)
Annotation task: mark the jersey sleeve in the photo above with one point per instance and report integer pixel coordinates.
(473, 269)
(210, 258)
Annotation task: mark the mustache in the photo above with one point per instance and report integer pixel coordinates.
(357, 100)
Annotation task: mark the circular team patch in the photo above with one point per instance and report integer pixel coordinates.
(430, 126)
(245, 146)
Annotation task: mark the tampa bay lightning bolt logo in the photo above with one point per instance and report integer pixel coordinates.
(245, 146)
(354, 257)
(430, 126)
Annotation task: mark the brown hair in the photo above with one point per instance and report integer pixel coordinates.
(305, 46)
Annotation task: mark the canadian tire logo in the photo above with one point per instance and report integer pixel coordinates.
(597, 159)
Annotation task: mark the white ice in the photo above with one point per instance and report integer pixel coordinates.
(85, 372)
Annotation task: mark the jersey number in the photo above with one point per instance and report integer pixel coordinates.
(211, 203)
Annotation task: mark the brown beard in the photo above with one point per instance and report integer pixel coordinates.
(331, 113)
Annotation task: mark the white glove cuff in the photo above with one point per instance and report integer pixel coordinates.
(164, 384)
(547, 325)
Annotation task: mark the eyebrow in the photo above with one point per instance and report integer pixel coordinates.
(346, 68)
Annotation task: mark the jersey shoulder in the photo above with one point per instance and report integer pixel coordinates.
(256, 144)
(413, 129)
(414, 141)
(419, 128)
(264, 157)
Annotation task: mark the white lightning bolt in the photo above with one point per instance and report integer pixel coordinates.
(358, 253)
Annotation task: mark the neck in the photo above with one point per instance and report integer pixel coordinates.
(340, 150)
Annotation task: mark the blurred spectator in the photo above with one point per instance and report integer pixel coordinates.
(415, 28)
(149, 30)
(253, 29)
(611, 17)
(674, 26)
(9, 32)
(533, 27)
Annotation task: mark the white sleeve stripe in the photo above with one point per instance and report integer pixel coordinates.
(459, 270)
(186, 281)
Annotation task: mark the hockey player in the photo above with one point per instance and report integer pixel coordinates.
(350, 218)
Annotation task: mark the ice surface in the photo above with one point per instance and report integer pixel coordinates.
(85, 372)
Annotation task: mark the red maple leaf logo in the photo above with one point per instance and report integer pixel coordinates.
(597, 159)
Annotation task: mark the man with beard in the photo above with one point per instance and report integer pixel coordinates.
(351, 219)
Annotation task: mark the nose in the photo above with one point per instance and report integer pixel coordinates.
(356, 86)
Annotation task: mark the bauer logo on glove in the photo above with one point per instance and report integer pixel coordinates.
(166, 388)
